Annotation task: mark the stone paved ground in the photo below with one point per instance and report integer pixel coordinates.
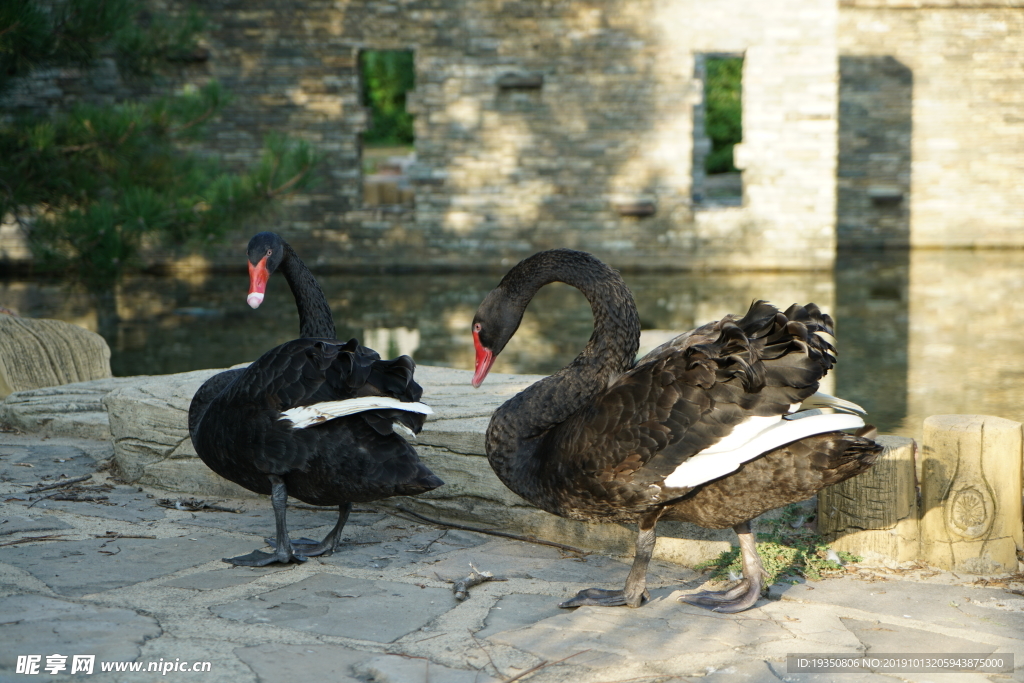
(124, 578)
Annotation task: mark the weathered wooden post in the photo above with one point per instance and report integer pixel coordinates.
(875, 512)
(971, 493)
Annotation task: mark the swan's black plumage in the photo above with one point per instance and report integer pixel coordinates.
(597, 440)
(236, 426)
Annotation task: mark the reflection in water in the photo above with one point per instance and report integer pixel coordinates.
(923, 333)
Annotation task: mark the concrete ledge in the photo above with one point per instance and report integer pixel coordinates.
(149, 430)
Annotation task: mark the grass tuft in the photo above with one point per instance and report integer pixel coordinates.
(788, 551)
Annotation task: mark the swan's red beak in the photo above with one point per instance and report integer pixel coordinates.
(484, 360)
(258, 276)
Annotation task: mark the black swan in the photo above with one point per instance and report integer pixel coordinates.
(313, 418)
(703, 429)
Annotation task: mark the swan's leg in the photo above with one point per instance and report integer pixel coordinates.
(333, 538)
(283, 547)
(635, 591)
(310, 548)
(745, 594)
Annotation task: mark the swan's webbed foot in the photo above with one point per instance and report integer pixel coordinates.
(743, 595)
(605, 598)
(306, 547)
(285, 551)
(635, 592)
(258, 558)
(738, 598)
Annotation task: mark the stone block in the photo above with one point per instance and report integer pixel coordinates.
(149, 429)
(38, 353)
(971, 493)
(71, 410)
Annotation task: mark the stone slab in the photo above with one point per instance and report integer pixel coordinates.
(275, 623)
(37, 624)
(568, 571)
(125, 503)
(878, 637)
(149, 428)
(379, 611)
(218, 578)
(518, 610)
(76, 568)
(367, 548)
(272, 662)
(779, 671)
(18, 524)
(148, 423)
(44, 463)
(74, 410)
(257, 517)
(986, 610)
(663, 629)
(393, 669)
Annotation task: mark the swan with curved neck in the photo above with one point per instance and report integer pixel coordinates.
(268, 253)
(313, 418)
(707, 428)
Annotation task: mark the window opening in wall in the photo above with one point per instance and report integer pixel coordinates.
(388, 145)
(718, 127)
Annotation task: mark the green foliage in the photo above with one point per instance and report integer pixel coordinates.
(387, 76)
(80, 31)
(723, 114)
(784, 551)
(92, 186)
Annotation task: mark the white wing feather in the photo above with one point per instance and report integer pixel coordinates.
(305, 416)
(751, 438)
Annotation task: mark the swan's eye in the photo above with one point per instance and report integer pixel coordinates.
(477, 327)
(269, 252)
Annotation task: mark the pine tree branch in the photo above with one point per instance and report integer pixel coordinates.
(92, 145)
(9, 28)
(276, 192)
(194, 122)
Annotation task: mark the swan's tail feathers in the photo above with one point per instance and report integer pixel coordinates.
(307, 416)
(395, 378)
(752, 439)
(823, 400)
(424, 481)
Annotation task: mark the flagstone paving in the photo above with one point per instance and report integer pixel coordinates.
(127, 573)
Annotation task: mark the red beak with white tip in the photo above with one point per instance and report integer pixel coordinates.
(484, 360)
(258, 276)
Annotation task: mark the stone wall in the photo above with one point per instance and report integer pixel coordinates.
(541, 124)
(536, 123)
(549, 124)
(935, 148)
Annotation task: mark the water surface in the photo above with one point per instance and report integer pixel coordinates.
(920, 333)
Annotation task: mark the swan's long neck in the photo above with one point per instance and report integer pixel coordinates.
(611, 351)
(315, 319)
